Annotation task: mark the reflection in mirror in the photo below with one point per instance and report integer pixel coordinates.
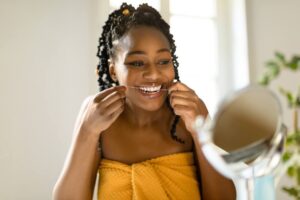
(246, 136)
(249, 119)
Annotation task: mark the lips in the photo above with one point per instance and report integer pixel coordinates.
(150, 89)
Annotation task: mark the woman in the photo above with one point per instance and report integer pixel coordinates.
(138, 131)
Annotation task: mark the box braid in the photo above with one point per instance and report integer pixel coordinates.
(118, 24)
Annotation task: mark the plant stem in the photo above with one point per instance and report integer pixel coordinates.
(296, 128)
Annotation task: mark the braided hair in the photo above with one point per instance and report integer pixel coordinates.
(118, 24)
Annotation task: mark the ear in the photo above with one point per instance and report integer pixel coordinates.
(112, 72)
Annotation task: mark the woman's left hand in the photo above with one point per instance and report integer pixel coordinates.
(186, 104)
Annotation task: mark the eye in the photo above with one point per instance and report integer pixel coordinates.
(164, 62)
(136, 63)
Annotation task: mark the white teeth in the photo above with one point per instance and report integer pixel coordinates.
(151, 89)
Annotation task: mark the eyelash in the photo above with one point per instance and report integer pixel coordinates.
(136, 63)
(141, 63)
(164, 62)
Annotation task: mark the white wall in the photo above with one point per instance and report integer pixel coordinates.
(47, 61)
(273, 25)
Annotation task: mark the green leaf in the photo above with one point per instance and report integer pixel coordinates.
(298, 175)
(272, 64)
(280, 57)
(264, 80)
(294, 63)
(286, 156)
(291, 191)
(298, 97)
(289, 96)
(298, 101)
(293, 66)
(290, 139)
(291, 171)
(297, 137)
(274, 68)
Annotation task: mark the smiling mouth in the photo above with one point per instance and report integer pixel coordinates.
(150, 89)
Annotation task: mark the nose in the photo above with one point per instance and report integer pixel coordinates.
(152, 72)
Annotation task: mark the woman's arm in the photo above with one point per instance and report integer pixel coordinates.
(213, 185)
(97, 113)
(188, 106)
(78, 176)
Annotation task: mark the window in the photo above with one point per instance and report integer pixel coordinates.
(210, 37)
(117, 3)
(193, 23)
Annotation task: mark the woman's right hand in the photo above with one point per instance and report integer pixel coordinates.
(102, 110)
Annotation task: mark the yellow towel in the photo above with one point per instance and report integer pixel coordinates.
(163, 178)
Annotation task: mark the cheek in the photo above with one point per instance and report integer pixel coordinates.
(170, 73)
(122, 74)
(129, 78)
(173, 72)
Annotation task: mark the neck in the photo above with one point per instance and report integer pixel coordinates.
(143, 118)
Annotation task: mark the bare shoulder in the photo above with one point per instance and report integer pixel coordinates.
(81, 112)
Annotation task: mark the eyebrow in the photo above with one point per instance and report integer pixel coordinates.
(143, 52)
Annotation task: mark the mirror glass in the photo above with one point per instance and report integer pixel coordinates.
(245, 138)
(249, 117)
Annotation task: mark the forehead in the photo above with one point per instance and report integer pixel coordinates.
(142, 38)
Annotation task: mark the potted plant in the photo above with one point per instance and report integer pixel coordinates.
(291, 156)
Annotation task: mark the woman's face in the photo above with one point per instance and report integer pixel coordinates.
(144, 64)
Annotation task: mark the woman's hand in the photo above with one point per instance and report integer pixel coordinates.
(186, 104)
(102, 110)
(97, 113)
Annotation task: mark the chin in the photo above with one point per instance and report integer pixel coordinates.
(147, 101)
(150, 106)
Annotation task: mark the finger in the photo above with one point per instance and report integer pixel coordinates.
(116, 114)
(178, 100)
(183, 110)
(178, 86)
(98, 97)
(112, 98)
(113, 107)
(185, 94)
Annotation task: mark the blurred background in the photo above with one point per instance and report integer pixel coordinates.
(48, 61)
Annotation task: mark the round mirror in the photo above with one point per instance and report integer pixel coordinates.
(249, 118)
(246, 136)
(246, 131)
